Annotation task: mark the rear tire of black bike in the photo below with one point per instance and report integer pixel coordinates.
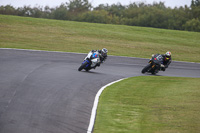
(153, 72)
(146, 68)
(82, 66)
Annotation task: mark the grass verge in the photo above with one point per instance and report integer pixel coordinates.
(69, 36)
(150, 104)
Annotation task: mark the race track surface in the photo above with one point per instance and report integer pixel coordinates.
(43, 92)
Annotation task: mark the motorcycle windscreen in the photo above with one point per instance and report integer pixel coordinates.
(158, 59)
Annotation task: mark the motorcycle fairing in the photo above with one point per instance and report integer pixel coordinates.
(87, 64)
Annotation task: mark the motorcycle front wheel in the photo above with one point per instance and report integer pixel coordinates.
(82, 66)
(146, 68)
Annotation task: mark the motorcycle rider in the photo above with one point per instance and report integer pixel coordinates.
(102, 55)
(166, 60)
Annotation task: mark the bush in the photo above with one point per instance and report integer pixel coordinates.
(193, 25)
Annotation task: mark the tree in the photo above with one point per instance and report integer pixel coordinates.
(36, 12)
(24, 11)
(195, 9)
(195, 3)
(47, 13)
(8, 10)
(78, 6)
(193, 25)
(102, 7)
(60, 13)
(99, 16)
(116, 9)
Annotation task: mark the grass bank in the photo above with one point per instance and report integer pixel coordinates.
(68, 36)
(150, 104)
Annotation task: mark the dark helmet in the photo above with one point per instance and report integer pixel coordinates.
(104, 52)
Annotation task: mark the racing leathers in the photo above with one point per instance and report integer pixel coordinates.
(102, 57)
(166, 61)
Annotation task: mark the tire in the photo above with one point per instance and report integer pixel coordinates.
(146, 68)
(82, 66)
(153, 72)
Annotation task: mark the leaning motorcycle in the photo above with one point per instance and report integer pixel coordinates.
(154, 65)
(90, 61)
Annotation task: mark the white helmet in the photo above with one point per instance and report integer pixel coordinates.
(168, 54)
(104, 52)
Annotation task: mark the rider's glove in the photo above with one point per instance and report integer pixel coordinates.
(162, 65)
(98, 64)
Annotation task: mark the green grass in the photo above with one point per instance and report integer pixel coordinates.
(150, 104)
(69, 36)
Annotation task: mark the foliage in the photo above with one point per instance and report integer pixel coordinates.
(193, 25)
(135, 14)
(101, 16)
(195, 9)
(60, 13)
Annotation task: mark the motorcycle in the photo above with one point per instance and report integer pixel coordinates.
(90, 61)
(155, 64)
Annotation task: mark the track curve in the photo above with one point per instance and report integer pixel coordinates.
(43, 92)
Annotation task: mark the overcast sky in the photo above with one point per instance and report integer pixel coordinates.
(95, 3)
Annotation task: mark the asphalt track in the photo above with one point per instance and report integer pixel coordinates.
(43, 92)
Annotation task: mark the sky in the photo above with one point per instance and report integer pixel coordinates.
(95, 3)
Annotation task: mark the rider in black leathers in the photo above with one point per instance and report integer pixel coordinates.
(166, 60)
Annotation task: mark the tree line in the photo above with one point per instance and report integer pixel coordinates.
(155, 15)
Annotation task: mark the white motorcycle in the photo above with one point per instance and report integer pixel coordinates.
(90, 61)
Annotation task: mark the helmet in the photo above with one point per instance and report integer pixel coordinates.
(104, 52)
(168, 55)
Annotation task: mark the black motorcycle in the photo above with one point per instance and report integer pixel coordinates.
(154, 65)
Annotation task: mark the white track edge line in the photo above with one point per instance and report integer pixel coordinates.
(94, 109)
(86, 53)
